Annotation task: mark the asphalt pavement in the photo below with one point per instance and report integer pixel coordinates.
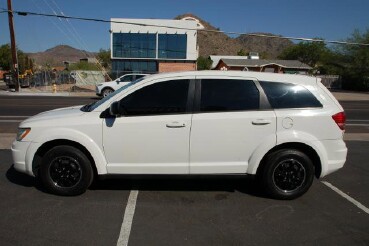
(186, 211)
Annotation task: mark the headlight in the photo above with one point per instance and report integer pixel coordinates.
(22, 133)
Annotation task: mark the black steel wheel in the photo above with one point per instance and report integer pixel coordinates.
(287, 174)
(65, 170)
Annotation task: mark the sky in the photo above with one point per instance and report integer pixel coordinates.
(327, 19)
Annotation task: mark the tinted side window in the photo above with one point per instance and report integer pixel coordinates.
(228, 95)
(169, 97)
(139, 76)
(127, 78)
(284, 95)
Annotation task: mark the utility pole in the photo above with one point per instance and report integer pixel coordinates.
(13, 46)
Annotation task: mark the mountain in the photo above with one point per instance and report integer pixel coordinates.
(268, 47)
(212, 43)
(57, 55)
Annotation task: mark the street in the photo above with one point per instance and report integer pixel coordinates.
(183, 211)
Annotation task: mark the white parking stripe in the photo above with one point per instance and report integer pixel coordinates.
(125, 230)
(349, 198)
(359, 124)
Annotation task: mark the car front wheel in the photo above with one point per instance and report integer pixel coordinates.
(65, 170)
(287, 174)
(107, 92)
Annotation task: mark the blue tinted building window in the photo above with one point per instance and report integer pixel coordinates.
(172, 46)
(121, 67)
(134, 45)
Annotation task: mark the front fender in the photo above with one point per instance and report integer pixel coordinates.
(72, 135)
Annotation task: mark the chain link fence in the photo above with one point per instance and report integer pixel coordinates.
(78, 80)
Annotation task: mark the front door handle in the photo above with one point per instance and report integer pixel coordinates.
(261, 122)
(176, 124)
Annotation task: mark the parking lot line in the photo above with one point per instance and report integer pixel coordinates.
(344, 195)
(357, 124)
(125, 230)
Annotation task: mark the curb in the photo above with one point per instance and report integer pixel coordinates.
(49, 94)
(6, 140)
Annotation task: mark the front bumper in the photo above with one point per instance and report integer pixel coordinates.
(98, 91)
(19, 151)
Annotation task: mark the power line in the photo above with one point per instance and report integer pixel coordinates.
(25, 13)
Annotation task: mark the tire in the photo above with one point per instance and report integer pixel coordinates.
(287, 174)
(107, 91)
(66, 171)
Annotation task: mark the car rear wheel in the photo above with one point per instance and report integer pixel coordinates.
(287, 174)
(66, 170)
(107, 91)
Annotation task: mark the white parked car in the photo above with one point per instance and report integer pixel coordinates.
(104, 89)
(284, 129)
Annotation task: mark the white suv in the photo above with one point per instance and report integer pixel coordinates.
(104, 89)
(284, 129)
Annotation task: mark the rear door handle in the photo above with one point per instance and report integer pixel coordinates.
(261, 122)
(176, 124)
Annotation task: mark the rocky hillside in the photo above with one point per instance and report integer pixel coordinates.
(221, 44)
(57, 55)
(209, 44)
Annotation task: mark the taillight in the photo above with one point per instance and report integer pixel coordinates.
(340, 119)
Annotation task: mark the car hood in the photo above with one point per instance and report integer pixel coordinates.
(60, 113)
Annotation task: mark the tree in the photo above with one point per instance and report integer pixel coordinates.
(104, 58)
(5, 57)
(203, 63)
(356, 60)
(242, 52)
(307, 52)
(24, 62)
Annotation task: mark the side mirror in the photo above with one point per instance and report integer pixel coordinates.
(114, 109)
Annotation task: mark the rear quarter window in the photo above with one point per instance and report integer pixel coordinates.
(286, 95)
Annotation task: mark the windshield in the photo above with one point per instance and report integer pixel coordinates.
(92, 106)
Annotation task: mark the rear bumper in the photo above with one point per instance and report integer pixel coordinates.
(336, 151)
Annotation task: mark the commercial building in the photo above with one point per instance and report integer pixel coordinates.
(153, 45)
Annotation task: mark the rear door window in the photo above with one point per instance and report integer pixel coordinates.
(286, 95)
(219, 95)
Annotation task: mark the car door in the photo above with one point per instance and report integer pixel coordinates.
(230, 121)
(152, 136)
